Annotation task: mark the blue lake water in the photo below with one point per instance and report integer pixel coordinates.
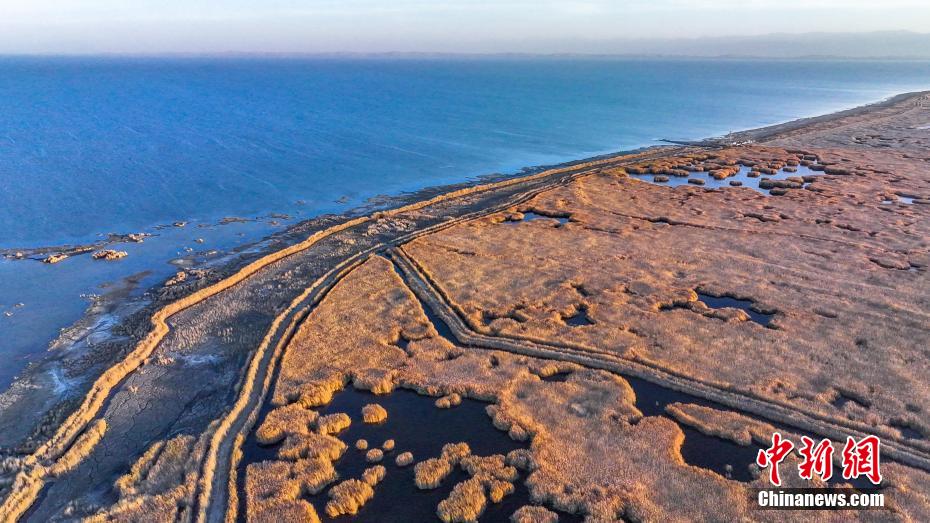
(96, 145)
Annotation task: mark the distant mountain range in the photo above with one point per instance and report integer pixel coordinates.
(884, 44)
(865, 45)
(870, 45)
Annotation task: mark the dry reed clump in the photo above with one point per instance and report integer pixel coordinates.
(492, 472)
(282, 421)
(160, 468)
(316, 393)
(534, 514)
(314, 475)
(333, 423)
(82, 446)
(374, 475)
(503, 422)
(548, 369)
(489, 467)
(454, 452)
(273, 486)
(348, 497)
(361, 444)
(312, 445)
(465, 504)
(498, 490)
(374, 456)
(374, 413)
(269, 480)
(448, 401)
(388, 445)
(428, 474)
(278, 511)
(713, 422)
(378, 381)
(287, 480)
(404, 459)
(521, 459)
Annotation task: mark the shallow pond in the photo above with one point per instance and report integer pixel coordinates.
(742, 177)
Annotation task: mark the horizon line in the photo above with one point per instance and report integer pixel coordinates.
(450, 54)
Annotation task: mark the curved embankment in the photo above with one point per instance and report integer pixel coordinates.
(60, 450)
(213, 488)
(436, 299)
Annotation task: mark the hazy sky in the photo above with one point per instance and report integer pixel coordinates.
(89, 26)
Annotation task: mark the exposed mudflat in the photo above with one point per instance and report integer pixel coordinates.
(607, 347)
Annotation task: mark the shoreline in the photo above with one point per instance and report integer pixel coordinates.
(56, 448)
(374, 203)
(385, 201)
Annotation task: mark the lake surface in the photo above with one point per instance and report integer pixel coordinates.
(90, 146)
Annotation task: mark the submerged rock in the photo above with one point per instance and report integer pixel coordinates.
(109, 255)
(55, 258)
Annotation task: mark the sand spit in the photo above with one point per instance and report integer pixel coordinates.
(842, 274)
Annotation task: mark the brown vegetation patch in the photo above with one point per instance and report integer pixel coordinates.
(333, 423)
(534, 514)
(290, 419)
(348, 497)
(374, 413)
(404, 459)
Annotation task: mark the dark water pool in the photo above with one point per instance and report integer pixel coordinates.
(721, 302)
(418, 426)
(530, 216)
